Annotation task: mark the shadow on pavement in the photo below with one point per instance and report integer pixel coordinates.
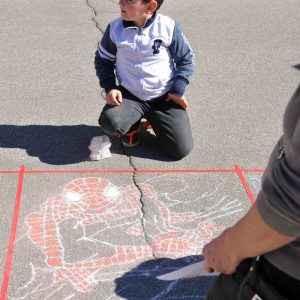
(297, 67)
(141, 282)
(66, 144)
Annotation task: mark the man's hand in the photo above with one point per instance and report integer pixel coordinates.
(114, 97)
(219, 256)
(249, 237)
(179, 100)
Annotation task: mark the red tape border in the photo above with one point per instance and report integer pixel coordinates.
(13, 231)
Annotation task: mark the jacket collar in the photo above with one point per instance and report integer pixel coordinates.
(130, 24)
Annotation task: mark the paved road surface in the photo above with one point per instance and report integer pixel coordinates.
(75, 229)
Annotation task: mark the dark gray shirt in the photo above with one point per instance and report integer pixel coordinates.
(279, 199)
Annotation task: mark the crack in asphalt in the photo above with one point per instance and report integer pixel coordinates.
(131, 163)
(143, 211)
(95, 15)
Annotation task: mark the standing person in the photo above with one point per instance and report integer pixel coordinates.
(152, 61)
(271, 230)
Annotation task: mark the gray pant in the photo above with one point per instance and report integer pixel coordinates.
(264, 280)
(170, 122)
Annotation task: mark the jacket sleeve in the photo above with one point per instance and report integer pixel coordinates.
(184, 60)
(279, 199)
(105, 58)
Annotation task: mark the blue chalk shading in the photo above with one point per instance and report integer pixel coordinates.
(141, 282)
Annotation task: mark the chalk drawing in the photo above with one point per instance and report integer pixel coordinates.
(93, 207)
(255, 183)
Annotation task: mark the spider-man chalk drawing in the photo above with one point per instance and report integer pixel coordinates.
(94, 201)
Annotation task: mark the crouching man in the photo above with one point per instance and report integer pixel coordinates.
(259, 257)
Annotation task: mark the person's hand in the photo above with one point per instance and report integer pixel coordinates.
(179, 100)
(219, 256)
(114, 97)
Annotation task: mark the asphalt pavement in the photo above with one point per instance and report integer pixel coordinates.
(71, 228)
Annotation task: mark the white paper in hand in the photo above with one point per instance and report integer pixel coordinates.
(193, 270)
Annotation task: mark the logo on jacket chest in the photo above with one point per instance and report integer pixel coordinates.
(156, 45)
